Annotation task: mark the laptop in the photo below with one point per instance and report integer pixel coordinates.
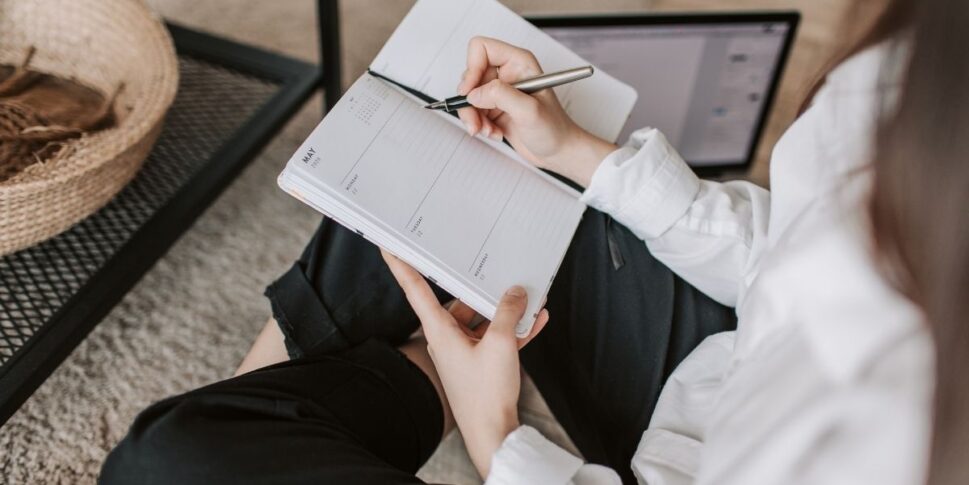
(707, 81)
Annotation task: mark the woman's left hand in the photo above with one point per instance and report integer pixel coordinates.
(478, 368)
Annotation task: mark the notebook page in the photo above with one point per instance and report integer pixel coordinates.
(484, 218)
(428, 52)
(334, 208)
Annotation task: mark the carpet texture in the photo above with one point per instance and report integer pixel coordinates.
(191, 319)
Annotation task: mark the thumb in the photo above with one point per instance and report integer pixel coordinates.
(510, 310)
(500, 95)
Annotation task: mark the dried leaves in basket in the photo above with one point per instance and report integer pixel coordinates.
(39, 112)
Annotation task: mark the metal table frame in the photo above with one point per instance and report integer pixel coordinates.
(60, 334)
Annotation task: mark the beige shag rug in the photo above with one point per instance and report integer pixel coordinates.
(192, 317)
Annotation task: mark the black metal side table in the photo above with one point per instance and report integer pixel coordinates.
(232, 100)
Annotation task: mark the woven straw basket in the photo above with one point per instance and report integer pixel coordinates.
(101, 43)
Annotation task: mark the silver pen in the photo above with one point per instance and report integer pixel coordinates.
(527, 86)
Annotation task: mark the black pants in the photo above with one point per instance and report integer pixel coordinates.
(349, 408)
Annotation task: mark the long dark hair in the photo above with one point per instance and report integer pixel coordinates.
(920, 202)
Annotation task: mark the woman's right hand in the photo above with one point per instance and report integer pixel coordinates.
(535, 124)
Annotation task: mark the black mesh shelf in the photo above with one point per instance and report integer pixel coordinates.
(231, 100)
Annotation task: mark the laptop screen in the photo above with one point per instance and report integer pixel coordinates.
(705, 86)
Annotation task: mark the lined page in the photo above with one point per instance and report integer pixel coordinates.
(489, 221)
(428, 52)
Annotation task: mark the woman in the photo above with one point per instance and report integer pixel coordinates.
(829, 376)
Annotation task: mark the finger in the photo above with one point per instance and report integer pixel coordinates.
(500, 95)
(490, 129)
(480, 330)
(461, 312)
(463, 87)
(490, 74)
(503, 121)
(477, 122)
(485, 52)
(414, 286)
(536, 328)
(496, 133)
(510, 310)
(471, 119)
(465, 316)
(435, 320)
(486, 126)
(492, 115)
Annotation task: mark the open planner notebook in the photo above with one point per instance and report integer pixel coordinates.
(467, 212)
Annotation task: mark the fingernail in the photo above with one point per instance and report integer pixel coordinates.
(496, 136)
(473, 95)
(486, 130)
(516, 291)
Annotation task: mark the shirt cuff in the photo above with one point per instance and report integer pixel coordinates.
(528, 457)
(666, 457)
(645, 185)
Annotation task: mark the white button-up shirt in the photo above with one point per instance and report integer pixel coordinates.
(828, 377)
